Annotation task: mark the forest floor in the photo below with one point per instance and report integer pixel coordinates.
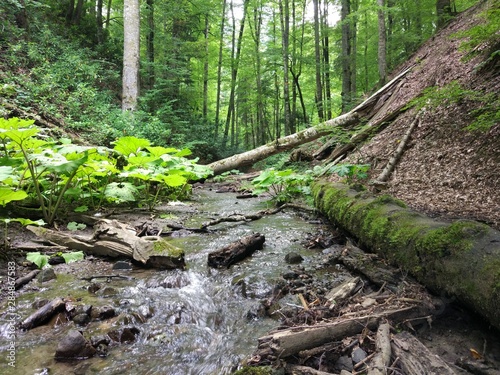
(446, 170)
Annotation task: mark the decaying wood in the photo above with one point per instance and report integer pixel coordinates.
(393, 161)
(382, 358)
(415, 358)
(43, 314)
(114, 239)
(308, 135)
(290, 341)
(236, 251)
(26, 279)
(344, 290)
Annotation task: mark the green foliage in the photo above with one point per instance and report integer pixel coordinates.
(485, 116)
(283, 186)
(225, 175)
(56, 174)
(74, 226)
(351, 172)
(42, 260)
(483, 37)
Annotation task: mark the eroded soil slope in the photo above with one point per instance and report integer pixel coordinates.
(446, 170)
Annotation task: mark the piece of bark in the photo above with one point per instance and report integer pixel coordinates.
(415, 358)
(43, 314)
(236, 251)
(290, 341)
(382, 359)
(26, 279)
(342, 291)
(114, 239)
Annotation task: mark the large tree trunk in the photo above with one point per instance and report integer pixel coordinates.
(368, 108)
(130, 90)
(458, 260)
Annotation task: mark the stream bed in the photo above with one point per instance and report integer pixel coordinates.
(194, 321)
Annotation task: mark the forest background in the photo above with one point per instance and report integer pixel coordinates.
(218, 77)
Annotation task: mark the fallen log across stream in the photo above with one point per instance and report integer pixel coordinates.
(114, 239)
(368, 109)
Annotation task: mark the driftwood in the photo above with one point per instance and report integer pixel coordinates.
(114, 239)
(236, 251)
(342, 291)
(415, 359)
(290, 341)
(381, 360)
(26, 279)
(43, 314)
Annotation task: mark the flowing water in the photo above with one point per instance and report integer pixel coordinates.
(199, 320)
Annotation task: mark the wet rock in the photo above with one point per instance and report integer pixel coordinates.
(127, 319)
(102, 350)
(293, 258)
(94, 287)
(40, 303)
(46, 274)
(125, 335)
(344, 363)
(81, 319)
(291, 275)
(122, 265)
(99, 340)
(107, 292)
(102, 312)
(358, 355)
(56, 259)
(74, 346)
(146, 311)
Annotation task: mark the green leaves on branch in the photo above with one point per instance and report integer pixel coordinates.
(57, 174)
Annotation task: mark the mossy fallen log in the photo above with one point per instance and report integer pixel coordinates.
(458, 260)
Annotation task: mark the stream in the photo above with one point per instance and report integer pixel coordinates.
(194, 321)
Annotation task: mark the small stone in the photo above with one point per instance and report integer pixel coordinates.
(344, 363)
(81, 319)
(125, 335)
(46, 274)
(293, 258)
(122, 265)
(358, 355)
(107, 292)
(94, 287)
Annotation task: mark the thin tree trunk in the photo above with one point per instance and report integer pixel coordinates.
(150, 47)
(285, 31)
(205, 69)
(346, 55)
(326, 61)
(382, 43)
(130, 88)
(317, 54)
(99, 22)
(219, 70)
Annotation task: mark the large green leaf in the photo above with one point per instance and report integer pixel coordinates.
(73, 256)
(68, 167)
(8, 195)
(39, 259)
(120, 192)
(159, 151)
(130, 145)
(172, 180)
(18, 136)
(5, 172)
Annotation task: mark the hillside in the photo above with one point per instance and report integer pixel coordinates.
(446, 169)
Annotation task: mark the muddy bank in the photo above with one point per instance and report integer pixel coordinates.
(460, 259)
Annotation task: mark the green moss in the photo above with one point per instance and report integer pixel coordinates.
(163, 247)
(386, 198)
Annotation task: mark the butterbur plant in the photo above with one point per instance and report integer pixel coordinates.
(55, 174)
(283, 186)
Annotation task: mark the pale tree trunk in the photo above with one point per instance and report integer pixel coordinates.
(130, 55)
(326, 60)
(382, 43)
